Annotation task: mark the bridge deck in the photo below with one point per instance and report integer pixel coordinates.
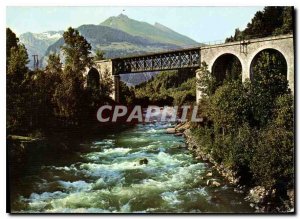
(176, 59)
(171, 60)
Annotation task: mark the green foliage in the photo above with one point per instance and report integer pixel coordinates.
(275, 146)
(52, 78)
(17, 62)
(206, 82)
(77, 52)
(69, 95)
(270, 21)
(287, 21)
(242, 149)
(42, 100)
(272, 163)
(93, 79)
(127, 95)
(54, 65)
(284, 111)
(227, 67)
(185, 93)
(229, 106)
(106, 83)
(99, 55)
(234, 70)
(249, 126)
(29, 93)
(268, 82)
(41, 87)
(11, 41)
(16, 89)
(170, 87)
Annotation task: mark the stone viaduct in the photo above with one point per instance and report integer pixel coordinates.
(215, 57)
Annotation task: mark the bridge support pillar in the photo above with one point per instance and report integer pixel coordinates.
(116, 92)
(198, 92)
(105, 68)
(291, 71)
(245, 70)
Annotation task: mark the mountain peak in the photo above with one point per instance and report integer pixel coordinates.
(157, 32)
(122, 16)
(158, 24)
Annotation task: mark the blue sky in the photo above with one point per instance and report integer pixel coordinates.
(202, 24)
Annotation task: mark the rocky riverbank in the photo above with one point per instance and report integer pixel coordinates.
(261, 199)
(22, 150)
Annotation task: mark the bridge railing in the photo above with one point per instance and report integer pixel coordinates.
(251, 37)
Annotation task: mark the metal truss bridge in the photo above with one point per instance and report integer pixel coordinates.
(171, 60)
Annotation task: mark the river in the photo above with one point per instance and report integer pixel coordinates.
(105, 175)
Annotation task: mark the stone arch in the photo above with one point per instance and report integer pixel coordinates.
(282, 60)
(227, 65)
(93, 78)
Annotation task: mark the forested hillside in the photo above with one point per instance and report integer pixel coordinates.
(168, 88)
(270, 21)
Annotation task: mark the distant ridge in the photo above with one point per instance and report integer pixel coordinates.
(117, 36)
(156, 32)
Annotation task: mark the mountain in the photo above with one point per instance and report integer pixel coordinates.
(121, 36)
(115, 43)
(117, 36)
(38, 43)
(156, 32)
(134, 79)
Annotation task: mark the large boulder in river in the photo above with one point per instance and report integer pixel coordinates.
(143, 161)
(212, 182)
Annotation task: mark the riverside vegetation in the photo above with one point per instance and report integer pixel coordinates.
(50, 106)
(54, 98)
(249, 127)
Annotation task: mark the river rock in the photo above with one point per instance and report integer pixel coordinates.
(208, 182)
(143, 161)
(171, 130)
(205, 158)
(212, 182)
(216, 183)
(209, 174)
(199, 158)
(291, 195)
(256, 194)
(183, 127)
(252, 205)
(178, 125)
(182, 146)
